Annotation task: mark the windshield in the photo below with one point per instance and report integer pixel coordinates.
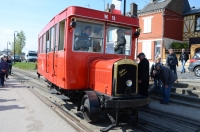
(88, 37)
(32, 54)
(118, 40)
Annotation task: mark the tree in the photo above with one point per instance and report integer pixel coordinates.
(20, 42)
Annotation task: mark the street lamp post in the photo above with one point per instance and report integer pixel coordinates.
(14, 45)
(7, 48)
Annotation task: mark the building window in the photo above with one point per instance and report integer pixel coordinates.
(146, 49)
(197, 26)
(157, 49)
(147, 24)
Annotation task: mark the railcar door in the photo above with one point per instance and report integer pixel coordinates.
(47, 55)
(51, 54)
(59, 62)
(55, 55)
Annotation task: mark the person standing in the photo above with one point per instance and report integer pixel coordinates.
(154, 75)
(167, 78)
(3, 68)
(9, 62)
(121, 42)
(6, 74)
(143, 74)
(172, 61)
(183, 58)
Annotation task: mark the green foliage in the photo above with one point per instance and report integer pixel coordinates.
(20, 42)
(24, 65)
(178, 45)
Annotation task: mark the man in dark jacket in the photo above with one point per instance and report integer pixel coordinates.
(83, 42)
(167, 78)
(172, 61)
(143, 75)
(3, 70)
(154, 75)
(183, 58)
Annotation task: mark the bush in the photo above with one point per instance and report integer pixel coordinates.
(178, 45)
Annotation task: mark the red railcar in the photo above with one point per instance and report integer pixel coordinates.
(91, 53)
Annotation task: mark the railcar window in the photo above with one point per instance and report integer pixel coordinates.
(40, 45)
(88, 37)
(56, 37)
(118, 40)
(61, 35)
(47, 42)
(44, 44)
(51, 39)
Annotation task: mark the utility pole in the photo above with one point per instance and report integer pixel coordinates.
(14, 44)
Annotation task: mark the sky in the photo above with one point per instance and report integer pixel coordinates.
(31, 16)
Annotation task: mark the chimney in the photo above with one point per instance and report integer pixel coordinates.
(133, 9)
(107, 8)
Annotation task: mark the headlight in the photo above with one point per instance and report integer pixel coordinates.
(129, 83)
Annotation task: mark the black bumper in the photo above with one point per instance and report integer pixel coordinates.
(32, 60)
(128, 103)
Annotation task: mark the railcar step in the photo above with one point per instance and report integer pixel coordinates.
(53, 91)
(63, 97)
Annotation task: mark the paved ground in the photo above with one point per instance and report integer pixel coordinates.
(21, 111)
(187, 75)
(180, 110)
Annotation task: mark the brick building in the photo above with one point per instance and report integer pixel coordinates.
(161, 23)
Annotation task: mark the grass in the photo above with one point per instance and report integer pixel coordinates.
(24, 65)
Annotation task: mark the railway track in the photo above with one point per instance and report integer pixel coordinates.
(149, 120)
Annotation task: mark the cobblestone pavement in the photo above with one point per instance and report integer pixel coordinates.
(21, 111)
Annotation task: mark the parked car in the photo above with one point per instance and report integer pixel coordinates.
(17, 58)
(194, 65)
(31, 56)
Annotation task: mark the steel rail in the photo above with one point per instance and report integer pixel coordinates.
(54, 105)
(150, 126)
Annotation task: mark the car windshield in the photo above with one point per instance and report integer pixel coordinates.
(118, 40)
(32, 54)
(88, 37)
(196, 56)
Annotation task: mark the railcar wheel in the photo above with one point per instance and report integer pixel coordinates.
(89, 116)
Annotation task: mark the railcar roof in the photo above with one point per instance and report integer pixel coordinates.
(97, 15)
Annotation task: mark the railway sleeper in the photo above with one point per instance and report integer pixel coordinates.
(90, 103)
